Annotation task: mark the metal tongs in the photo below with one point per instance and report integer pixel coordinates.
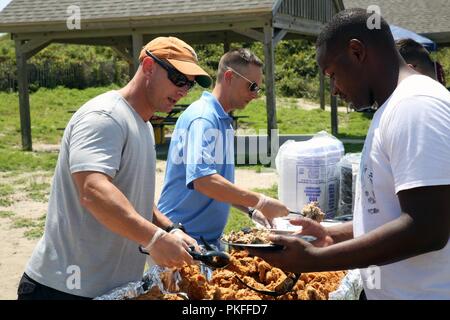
(222, 259)
(219, 259)
(212, 258)
(284, 287)
(216, 259)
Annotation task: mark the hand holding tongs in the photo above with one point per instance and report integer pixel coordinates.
(212, 258)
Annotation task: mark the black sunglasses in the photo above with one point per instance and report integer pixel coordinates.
(253, 87)
(175, 76)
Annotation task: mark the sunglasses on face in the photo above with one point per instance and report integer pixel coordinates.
(176, 77)
(253, 87)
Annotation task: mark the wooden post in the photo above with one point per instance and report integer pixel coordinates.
(278, 36)
(25, 49)
(334, 113)
(137, 47)
(269, 57)
(226, 44)
(24, 99)
(322, 90)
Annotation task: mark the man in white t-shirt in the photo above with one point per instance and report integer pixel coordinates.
(101, 204)
(401, 221)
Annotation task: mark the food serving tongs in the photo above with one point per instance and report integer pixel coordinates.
(211, 257)
(281, 289)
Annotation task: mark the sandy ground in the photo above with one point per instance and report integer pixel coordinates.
(15, 248)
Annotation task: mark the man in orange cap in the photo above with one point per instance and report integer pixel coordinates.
(100, 208)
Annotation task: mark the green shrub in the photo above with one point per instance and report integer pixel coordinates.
(81, 66)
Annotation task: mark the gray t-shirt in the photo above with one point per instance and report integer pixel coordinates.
(77, 254)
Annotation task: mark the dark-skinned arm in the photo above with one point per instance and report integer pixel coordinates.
(325, 236)
(341, 232)
(423, 226)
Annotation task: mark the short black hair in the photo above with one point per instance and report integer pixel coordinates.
(414, 53)
(353, 24)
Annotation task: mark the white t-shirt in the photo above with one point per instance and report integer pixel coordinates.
(407, 146)
(77, 254)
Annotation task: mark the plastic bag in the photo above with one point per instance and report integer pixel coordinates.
(348, 169)
(308, 172)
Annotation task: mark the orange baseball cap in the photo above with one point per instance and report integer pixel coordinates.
(180, 55)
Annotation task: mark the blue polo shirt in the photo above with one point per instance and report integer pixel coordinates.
(202, 144)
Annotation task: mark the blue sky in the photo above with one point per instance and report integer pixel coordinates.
(4, 3)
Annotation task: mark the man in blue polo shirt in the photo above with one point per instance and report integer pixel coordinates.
(199, 183)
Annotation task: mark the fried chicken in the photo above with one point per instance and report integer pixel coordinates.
(256, 273)
(312, 211)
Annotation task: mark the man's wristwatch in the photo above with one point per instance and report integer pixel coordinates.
(175, 226)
